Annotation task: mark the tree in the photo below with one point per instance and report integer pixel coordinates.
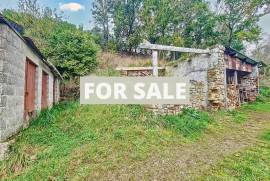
(30, 7)
(73, 52)
(180, 23)
(126, 24)
(262, 53)
(102, 12)
(156, 17)
(195, 23)
(239, 20)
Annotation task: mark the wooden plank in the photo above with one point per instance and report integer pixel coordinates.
(155, 63)
(172, 48)
(137, 68)
(235, 78)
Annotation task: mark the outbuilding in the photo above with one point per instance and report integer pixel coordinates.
(28, 82)
(220, 77)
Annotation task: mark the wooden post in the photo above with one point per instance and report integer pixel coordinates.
(236, 85)
(155, 63)
(235, 78)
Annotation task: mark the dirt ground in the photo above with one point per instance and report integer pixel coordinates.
(190, 161)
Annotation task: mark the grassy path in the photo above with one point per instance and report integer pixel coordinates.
(190, 161)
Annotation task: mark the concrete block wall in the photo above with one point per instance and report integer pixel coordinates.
(12, 83)
(13, 54)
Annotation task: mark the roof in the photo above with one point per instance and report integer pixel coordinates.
(232, 52)
(29, 42)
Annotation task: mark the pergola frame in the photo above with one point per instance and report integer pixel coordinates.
(155, 48)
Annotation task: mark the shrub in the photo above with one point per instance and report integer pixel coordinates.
(264, 94)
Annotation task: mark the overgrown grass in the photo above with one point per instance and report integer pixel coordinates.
(252, 164)
(238, 116)
(191, 123)
(261, 105)
(264, 95)
(75, 142)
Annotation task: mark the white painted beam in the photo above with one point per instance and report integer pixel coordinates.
(156, 47)
(155, 63)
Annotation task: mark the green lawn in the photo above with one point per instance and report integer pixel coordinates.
(75, 142)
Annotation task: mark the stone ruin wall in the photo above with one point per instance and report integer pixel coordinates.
(207, 81)
(217, 81)
(246, 91)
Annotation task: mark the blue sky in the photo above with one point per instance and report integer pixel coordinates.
(80, 13)
(77, 16)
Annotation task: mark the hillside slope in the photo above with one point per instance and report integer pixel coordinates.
(99, 142)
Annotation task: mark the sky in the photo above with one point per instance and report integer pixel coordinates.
(79, 11)
(75, 11)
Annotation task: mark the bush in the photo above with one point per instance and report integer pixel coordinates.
(190, 123)
(73, 52)
(264, 94)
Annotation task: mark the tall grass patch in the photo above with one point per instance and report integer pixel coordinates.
(190, 123)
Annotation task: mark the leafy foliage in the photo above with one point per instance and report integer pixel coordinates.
(72, 50)
(102, 12)
(181, 23)
(239, 21)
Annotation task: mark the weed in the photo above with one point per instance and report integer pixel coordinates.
(264, 95)
(190, 123)
(238, 116)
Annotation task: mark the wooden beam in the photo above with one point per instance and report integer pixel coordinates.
(155, 63)
(150, 46)
(235, 78)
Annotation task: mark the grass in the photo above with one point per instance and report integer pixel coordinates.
(75, 142)
(190, 124)
(252, 164)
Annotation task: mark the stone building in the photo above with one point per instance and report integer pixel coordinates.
(28, 82)
(223, 78)
(220, 78)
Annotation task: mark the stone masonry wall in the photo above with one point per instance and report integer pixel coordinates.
(206, 73)
(217, 81)
(13, 53)
(207, 78)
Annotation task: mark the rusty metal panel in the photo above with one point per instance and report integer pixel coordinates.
(244, 67)
(249, 68)
(237, 64)
(30, 86)
(44, 92)
(233, 63)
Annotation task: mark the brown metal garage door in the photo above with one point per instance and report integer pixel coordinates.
(30, 87)
(44, 96)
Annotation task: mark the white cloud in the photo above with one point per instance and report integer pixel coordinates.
(71, 7)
